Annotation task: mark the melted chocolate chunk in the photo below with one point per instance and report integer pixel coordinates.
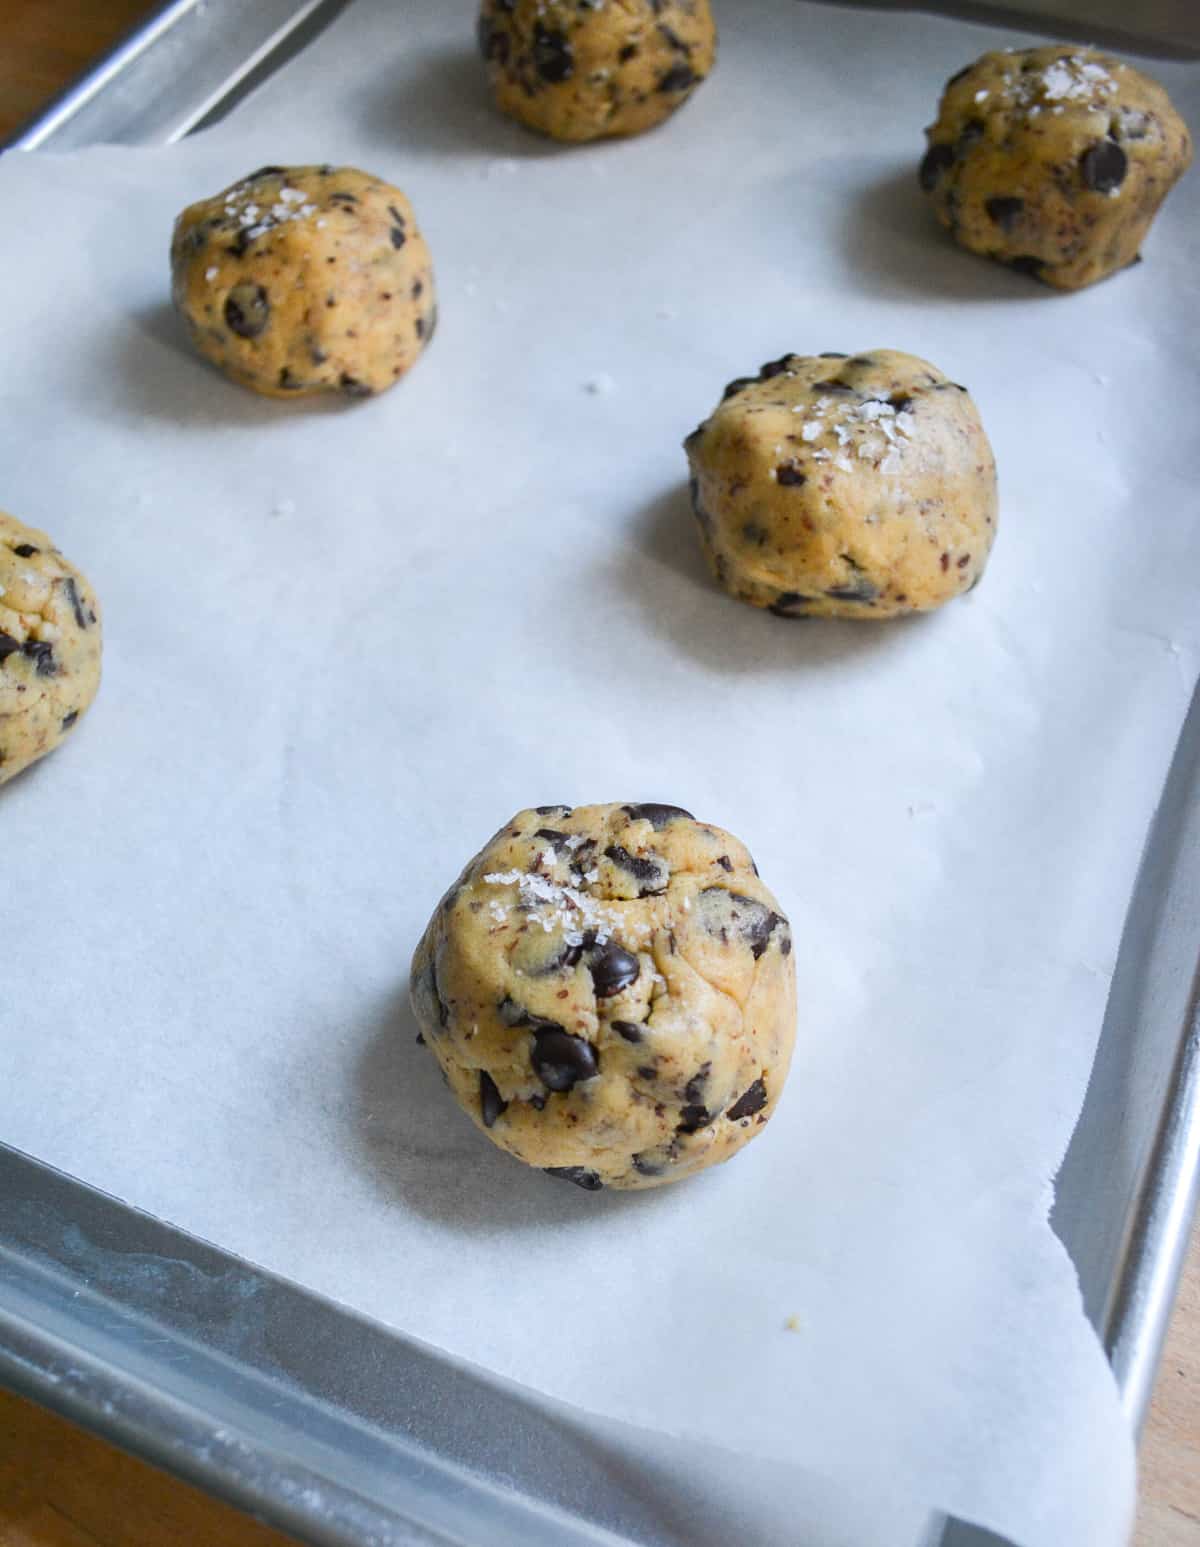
(553, 810)
(722, 912)
(650, 874)
(553, 56)
(646, 1166)
(790, 476)
(580, 1175)
(692, 1119)
(725, 862)
(739, 384)
(41, 654)
(1004, 212)
(790, 604)
(552, 836)
(657, 816)
(680, 77)
(560, 1060)
(933, 163)
(8, 646)
(1103, 166)
(72, 595)
(69, 719)
(247, 310)
(694, 1089)
(627, 1029)
(750, 1102)
(775, 367)
(857, 590)
(25, 550)
(398, 237)
(491, 1102)
(613, 969)
(350, 386)
(832, 385)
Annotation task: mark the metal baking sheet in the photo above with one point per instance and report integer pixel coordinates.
(287, 1404)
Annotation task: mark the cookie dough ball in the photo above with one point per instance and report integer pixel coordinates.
(1053, 160)
(610, 992)
(49, 646)
(844, 487)
(587, 71)
(305, 279)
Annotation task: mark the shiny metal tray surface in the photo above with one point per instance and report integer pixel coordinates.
(341, 1431)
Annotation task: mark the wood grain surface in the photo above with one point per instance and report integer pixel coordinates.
(61, 1488)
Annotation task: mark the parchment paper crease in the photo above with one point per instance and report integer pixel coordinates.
(343, 644)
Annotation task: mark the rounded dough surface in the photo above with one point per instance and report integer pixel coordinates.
(1053, 160)
(49, 646)
(839, 486)
(584, 72)
(299, 280)
(610, 992)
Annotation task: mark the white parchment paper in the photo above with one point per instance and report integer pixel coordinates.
(344, 643)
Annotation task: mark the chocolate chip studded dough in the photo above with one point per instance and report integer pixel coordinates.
(300, 280)
(844, 486)
(49, 646)
(611, 993)
(1053, 160)
(581, 70)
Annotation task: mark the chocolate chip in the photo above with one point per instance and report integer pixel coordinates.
(672, 39)
(491, 1102)
(352, 387)
(694, 1089)
(627, 53)
(613, 969)
(560, 1060)
(651, 874)
(701, 514)
(247, 310)
(553, 810)
(753, 533)
(647, 1072)
(343, 198)
(1103, 166)
(775, 367)
(831, 385)
(739, 384)
(658, 816)
(972, 132)
(25, 550)
(647, 1167)
(72, 594)
(553, 56)
(443, 1009)
(933, 163)
(790, 476)
(860, 362)
(858, 590)
(832, 354)
(725, 862)
(790, 604)
(265, 172)
(680, 77)
(398, 236)
(750, 1102)
(8, 646)
(69, 719)
(538, 1103)
(722, 912)
(1004, 211)
(552, 836)
(580, 1175)
(418, 289)
(1027, 264)
(901, 402)
(42, 656)
(627, 1029)
(288, 382)
(692, 1118)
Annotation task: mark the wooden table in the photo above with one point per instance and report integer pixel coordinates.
(61, 1488)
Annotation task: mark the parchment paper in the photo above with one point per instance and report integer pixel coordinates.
(345, 643)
